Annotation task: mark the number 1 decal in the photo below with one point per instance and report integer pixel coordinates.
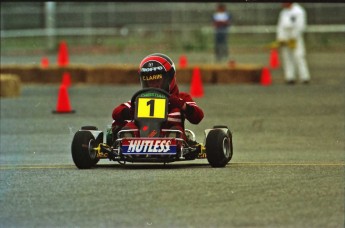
(151, 103)
(151, 108)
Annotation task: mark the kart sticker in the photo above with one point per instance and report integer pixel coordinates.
(151, 108)
(162, 146)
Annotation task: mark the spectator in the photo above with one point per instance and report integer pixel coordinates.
(291, 25)
(221, 22)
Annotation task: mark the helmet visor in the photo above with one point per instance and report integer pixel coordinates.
(154, 75)
(155, 81)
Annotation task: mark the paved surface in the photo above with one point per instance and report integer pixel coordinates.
(287, 169)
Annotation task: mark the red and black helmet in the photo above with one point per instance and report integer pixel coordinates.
(158, 71)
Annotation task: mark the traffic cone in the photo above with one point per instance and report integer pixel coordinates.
(265, 79)
(183, 61)
(232, 63)
(63, 104)
(66, 79)
(44, 62)
(274, 58)
(196, 89)
(63, 54)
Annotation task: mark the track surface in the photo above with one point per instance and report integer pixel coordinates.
(287, 169)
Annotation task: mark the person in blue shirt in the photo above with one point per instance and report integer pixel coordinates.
(221, 21)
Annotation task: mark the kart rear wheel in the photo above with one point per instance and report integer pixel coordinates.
(218, 148)
(89, 128)
(84, 157)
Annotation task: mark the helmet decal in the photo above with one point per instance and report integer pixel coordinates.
(160, 60)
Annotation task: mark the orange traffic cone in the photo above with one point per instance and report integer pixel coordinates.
(265, 79)
(183, 61)
(63, 104)
(63, 54)
(274, 58)
(66, 79)
(196, 89)
(44, 62)
(232, 63)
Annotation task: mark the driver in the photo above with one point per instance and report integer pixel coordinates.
(158, 71)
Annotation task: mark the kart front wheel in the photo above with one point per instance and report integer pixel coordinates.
(84, 157)
(218, 148)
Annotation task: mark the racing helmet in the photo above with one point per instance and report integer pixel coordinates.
(158, 71)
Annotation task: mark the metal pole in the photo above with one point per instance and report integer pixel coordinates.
(50, 24)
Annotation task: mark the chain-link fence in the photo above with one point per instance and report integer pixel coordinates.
(132, 25)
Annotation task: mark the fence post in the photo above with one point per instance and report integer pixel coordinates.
(50, 24)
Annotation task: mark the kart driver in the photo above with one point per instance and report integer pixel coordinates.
(158, 71)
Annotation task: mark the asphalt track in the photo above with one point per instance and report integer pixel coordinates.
(287, 169)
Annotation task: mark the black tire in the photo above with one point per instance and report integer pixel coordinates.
(89, 128)
(218, 148)
(228, 132)
(220, 126)
(83, 158)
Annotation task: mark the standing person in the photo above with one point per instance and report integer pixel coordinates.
(221, 22)
(291, 25)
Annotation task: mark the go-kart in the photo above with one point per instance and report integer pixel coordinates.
(149, 142)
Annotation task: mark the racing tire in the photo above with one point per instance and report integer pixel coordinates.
(218, 148)
(220, 126)
(83, 156)
(89, 128)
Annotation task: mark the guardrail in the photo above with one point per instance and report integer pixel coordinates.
(125, 30)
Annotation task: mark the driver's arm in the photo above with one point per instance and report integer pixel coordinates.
(192, 111)
(122, 112)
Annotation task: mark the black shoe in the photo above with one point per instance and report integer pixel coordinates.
(306, 82)
(291, 82)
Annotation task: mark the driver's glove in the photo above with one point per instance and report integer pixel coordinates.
(176, 102)
(127, 114)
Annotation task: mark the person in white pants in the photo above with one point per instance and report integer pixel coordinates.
(291, 25)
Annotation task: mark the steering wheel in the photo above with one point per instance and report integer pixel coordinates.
(161, 91)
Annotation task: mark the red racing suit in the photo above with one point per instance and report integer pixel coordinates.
(122, 115)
